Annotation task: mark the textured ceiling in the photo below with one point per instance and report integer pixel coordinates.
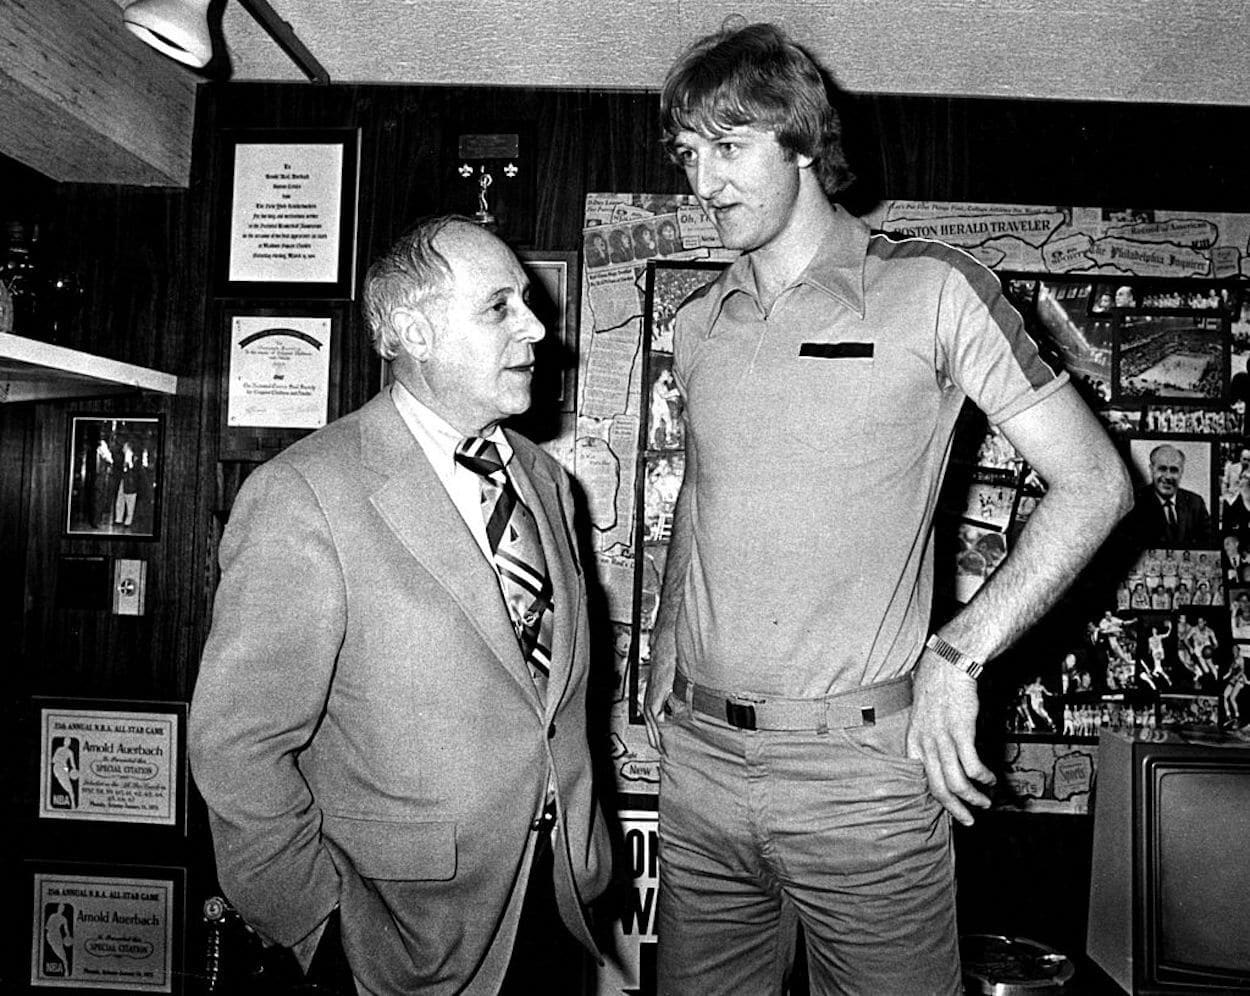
(1179, 51)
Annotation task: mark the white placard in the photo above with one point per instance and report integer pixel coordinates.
(286, 213)
(109, 766)
(279, 372)
(94, 932)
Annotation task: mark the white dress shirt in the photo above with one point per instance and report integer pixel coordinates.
(439, 440)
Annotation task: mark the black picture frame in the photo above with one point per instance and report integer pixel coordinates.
(299, 241)
(106, 456)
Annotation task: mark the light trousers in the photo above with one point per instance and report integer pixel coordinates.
(760, 830)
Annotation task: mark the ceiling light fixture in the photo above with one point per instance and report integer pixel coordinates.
(176, 28)
(179, 29)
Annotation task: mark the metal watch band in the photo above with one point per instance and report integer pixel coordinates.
(953, 655)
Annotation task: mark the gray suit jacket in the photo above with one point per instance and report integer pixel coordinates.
(364, 729)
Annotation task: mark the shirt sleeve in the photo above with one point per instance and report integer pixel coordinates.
(985, 349)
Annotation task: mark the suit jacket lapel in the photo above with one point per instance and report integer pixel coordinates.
(414, 503)
(538, 489)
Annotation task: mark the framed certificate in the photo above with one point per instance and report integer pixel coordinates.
(290, 213)
(279, 370)
(281, 376)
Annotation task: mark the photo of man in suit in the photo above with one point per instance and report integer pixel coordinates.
(389, 725)
(1165, 514)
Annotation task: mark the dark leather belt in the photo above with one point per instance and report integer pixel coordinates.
(857, 707)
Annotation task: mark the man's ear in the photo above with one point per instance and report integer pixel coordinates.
(415, 332)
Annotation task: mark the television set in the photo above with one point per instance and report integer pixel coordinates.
(1169, 898)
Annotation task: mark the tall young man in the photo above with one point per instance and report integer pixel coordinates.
(816, 737)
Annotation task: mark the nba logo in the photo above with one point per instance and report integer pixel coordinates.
(58, 940)
(63, 785)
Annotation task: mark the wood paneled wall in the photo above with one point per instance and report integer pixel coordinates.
(146, 260)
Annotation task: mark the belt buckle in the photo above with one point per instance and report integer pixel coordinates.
(740, 714)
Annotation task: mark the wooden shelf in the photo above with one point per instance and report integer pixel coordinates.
(38, 371)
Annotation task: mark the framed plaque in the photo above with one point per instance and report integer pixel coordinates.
(281, 376)
(115, 927)
(290, 213)
(279, 370)
(112, 762)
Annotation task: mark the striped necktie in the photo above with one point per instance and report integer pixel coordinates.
(517, 552)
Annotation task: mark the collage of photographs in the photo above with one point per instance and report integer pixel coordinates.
(1156, 632)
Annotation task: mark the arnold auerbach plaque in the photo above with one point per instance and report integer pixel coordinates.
(109, 766)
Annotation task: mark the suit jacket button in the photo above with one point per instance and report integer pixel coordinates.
(551, 731)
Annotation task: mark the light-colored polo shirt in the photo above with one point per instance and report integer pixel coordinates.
(820, 432)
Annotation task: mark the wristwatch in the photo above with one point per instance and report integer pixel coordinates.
(968, 665)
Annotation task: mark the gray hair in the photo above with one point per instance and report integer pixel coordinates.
(411, 274)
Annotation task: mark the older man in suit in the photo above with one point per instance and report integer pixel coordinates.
(1165, 514)
(389, 726)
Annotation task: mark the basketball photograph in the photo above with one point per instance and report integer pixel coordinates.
(1170, 357)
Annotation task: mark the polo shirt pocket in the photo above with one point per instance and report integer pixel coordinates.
(395, 850)
(831, 388)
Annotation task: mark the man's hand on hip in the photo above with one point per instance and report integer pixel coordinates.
(659, 686)
(942, 736)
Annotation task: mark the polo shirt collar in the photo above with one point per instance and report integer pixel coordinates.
(837, 268)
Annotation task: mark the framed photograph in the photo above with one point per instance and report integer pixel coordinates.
(112, 762)
(554, 299)
(113, 480)
(290, 213)
(106, 927)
